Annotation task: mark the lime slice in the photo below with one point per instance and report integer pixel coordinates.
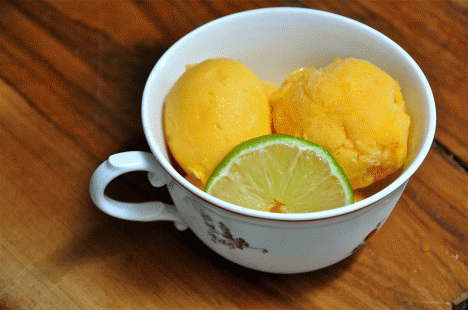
(280, 173)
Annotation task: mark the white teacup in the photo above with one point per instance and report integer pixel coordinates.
(272, 42)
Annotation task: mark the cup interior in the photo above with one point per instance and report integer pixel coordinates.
(272, 43)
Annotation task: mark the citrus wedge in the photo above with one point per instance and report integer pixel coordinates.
(280, 173)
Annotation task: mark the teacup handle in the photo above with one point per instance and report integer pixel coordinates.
(119, 164)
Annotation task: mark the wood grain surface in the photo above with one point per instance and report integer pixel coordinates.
(71, 79)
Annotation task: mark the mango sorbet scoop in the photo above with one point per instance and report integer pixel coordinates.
(214, 106)
(353, 109)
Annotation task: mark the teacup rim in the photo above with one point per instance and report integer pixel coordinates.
(309, 216)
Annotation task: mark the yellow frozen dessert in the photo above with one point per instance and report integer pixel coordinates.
(214, 106)
(353, 109)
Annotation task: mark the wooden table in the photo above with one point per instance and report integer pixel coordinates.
(71, 79)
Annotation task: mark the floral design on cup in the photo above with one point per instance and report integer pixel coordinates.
(369, 236)
(222, 235)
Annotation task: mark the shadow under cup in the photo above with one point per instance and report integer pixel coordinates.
(272, 43)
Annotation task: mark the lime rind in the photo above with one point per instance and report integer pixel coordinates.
(262, 142)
